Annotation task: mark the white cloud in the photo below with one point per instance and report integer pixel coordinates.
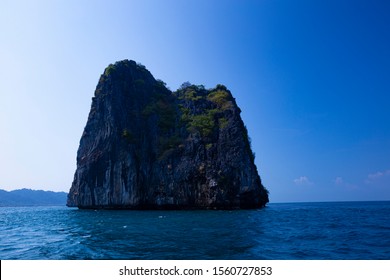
(339, 181)
(373, 177)
(302, 181)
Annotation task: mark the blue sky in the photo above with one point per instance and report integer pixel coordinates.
(311, 77)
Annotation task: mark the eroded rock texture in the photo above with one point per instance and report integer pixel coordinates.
(145, 147)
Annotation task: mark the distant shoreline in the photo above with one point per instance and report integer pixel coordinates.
(27, 197)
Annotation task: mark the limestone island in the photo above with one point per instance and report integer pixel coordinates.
(146, 147)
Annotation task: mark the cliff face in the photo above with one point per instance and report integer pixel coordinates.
(145, 147)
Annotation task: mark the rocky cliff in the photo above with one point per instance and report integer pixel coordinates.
(145, 147)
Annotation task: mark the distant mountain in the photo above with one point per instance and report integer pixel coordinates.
(27, 197)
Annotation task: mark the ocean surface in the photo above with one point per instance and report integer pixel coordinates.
(293, 231)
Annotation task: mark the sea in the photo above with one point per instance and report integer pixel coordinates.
(280, 231)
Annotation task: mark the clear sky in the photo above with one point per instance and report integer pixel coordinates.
(311, 77)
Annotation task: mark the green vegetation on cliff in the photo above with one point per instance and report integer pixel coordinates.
(208, 117)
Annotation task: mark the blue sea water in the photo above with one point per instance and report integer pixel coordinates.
(332, 230)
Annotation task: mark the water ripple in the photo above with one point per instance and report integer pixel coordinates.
(279, 231)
